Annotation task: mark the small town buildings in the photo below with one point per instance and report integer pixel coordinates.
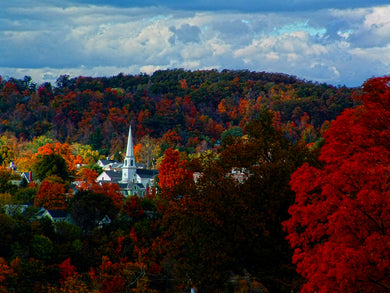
(132, 179)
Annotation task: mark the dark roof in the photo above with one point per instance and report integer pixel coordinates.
(58, 213)
(115, 175)
(106, 162)
(123, 185)
(147, 173)
(27, 175)
(130, 185)
(140, 185)
(41, 212)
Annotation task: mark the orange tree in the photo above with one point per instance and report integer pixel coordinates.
(340, 221)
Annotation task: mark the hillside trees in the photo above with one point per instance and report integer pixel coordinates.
(229, 220)
(98, 111)
(198, 232)
(340, 221)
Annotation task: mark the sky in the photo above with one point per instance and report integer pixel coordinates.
(332, 41)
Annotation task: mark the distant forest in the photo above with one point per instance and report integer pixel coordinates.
(189, 110)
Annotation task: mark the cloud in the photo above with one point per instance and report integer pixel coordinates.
(186, 34)
(374, 30)
(338, 46)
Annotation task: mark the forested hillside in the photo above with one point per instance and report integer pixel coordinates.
(177, 107)
(257, 190)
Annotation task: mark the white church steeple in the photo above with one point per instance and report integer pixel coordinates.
(129, 168)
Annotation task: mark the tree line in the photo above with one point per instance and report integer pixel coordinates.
(180, 108)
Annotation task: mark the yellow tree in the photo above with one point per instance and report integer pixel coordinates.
(26, 161)
(9, 149)
(147, 150)
(86, 152)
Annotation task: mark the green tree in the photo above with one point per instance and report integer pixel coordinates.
(5, 182)
(25, 194)
(231, 133)
(48, 165)
(89, 209)
(96, 139)
(41, 248)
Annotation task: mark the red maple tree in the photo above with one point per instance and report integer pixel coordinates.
(52, 194)
(173, 170)
(340, 221)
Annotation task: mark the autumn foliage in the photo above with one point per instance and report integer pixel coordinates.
(227, 220)
(87, 178)
(62, 149)
(173, 170)
(226, 143)
(340, 221)
(52, 194)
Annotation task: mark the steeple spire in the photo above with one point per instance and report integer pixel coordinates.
(129, 150)
(129, 168)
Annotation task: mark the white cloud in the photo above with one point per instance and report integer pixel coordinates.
(334, 46)
(381, 54)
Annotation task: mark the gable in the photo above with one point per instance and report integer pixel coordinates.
(109, 176)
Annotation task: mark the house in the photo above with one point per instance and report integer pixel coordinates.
(109, 176)
(238, 174)
(13, 209)
(58, 216)
(28, 176)
(25, 178)
(36, 212)
(131, 177)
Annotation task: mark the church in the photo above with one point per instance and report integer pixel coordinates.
(131, 180)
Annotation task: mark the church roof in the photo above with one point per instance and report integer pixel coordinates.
(146, 173)
(130, 185)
